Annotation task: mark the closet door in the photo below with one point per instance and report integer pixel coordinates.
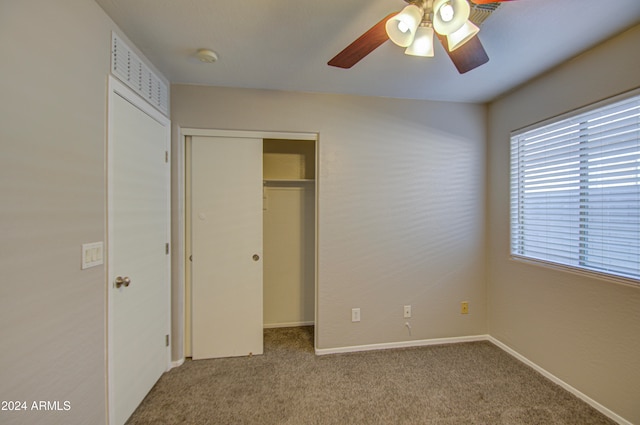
(226, 223)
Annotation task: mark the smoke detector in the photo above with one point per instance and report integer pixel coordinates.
(206, 55)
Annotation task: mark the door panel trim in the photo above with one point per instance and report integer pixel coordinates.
(249, 134)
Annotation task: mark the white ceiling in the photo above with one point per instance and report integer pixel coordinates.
(285, 45)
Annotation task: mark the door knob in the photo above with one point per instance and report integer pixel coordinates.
(256, 257)
(122, 281)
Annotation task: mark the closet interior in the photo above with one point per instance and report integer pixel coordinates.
(289, 171)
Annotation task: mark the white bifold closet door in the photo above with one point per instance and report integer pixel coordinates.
(226, 239)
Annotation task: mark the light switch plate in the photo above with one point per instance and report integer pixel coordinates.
(92, 254)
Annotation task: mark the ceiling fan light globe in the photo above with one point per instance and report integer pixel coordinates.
(401, 28)
(422, 43)
(442, 9)
(462, 35)
(446, 12)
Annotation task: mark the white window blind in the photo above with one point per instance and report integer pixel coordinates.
(575, 190)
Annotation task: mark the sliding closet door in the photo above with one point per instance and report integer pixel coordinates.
(226, 238)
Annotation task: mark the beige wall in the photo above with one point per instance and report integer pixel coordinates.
(401, 204)
(584, 331)
(53, 88)
(52, 190)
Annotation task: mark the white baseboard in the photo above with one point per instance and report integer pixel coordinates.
(610, 414)
(176, 363)
(401, 344)
(287, 325)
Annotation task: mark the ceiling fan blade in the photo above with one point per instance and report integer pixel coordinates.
(468, 56)
(364, 45)
(487, 1)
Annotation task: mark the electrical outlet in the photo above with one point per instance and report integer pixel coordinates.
(407, 311)
(355, 314)
(464, 307)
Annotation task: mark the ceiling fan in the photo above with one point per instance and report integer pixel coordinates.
(414, 28)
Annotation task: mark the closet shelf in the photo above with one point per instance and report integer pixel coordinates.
(289, 180)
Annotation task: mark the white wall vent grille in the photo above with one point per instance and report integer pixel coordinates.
(129, 68)
(480, 12)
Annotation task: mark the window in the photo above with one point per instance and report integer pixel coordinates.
(575, 190)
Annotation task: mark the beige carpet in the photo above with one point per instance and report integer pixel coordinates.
(470, 383)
